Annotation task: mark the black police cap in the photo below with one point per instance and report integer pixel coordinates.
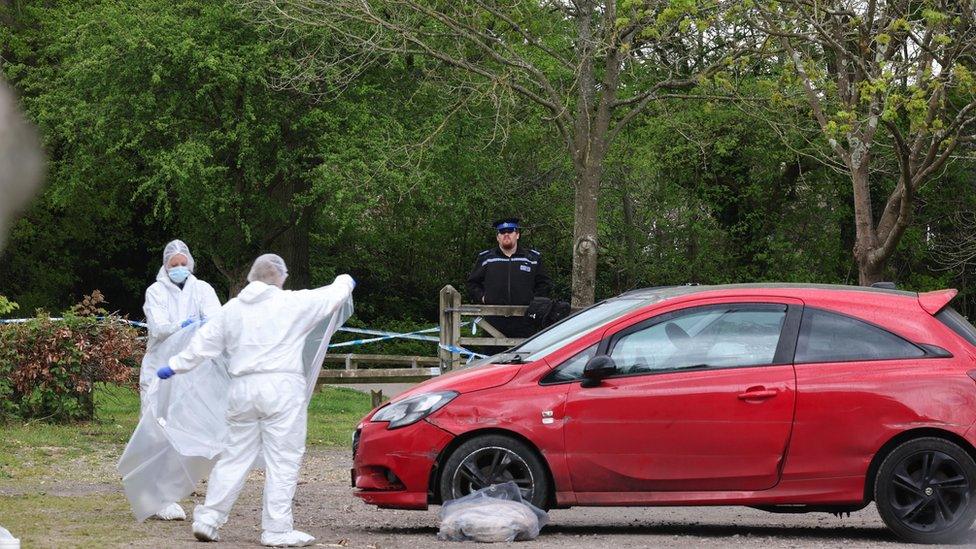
(507, 223)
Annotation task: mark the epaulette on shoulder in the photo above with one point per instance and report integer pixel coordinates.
(536, 252)
(485, 252)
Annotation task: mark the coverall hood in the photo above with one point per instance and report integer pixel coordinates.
(257, 291)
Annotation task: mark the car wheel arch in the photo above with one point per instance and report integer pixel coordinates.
(433, 482)
(900, 439)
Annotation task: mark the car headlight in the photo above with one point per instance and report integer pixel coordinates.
(411, 410)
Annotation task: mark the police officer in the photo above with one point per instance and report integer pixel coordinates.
(508, 275)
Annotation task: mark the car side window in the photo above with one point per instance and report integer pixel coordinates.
(714, 336)
(831, 337)
(572, 368)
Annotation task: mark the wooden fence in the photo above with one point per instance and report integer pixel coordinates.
(402, 368)
(380, 368)
(452, 312)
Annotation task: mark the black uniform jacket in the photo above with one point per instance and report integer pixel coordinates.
(497, 279)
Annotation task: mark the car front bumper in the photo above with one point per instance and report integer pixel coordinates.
(391, 468)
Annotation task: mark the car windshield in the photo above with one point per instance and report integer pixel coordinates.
(574, 326)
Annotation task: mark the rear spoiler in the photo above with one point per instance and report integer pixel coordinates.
(933, 302)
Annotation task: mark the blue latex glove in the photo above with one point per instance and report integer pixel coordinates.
(187, 322)
(165, 372)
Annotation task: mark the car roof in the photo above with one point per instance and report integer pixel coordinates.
(661, 293)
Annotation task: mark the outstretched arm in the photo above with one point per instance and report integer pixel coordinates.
(325, 300)
(207, 343)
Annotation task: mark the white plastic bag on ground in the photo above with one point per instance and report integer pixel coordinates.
(7, 540)
(181, 433)
(494, 514)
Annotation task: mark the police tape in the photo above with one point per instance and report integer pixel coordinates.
(22, 320)
(461, 351)
(381, 334)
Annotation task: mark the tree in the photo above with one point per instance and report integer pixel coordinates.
(173, 113)
(891, 87)
(593, 66)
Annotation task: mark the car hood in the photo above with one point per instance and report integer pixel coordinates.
(467, 380)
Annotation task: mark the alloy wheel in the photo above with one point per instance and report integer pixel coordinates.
(930, 491)
(493, 465)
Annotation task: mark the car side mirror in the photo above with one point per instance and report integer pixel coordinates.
(597, 369)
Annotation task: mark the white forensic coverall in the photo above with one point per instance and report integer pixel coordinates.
(263, 331)
(166, 307)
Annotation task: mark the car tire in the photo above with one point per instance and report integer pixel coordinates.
(925, 491)
(494, 459)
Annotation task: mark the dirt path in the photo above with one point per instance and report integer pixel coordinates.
(82, 505)
(325, 508)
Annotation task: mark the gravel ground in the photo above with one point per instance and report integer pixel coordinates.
(325, 507)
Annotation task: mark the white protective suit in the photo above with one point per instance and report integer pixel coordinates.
(263, 332)
(167, 306)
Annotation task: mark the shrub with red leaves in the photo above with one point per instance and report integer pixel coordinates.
(48, 368)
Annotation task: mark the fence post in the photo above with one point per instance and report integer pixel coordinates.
(455, 327)
(445, 325)
(450, 333)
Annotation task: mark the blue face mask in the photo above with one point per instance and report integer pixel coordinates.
(178, 274)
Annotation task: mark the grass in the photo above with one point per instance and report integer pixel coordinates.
(59, 486)
(93, 520)
(333, 415)
(35, 450)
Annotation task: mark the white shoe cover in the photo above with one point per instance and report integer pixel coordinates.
(173, 511)
(205, 532)
(286, 539)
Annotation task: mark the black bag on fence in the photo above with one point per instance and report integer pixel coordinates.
(544, 312)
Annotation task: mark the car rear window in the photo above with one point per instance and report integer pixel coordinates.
(831, 337)
(957, 323)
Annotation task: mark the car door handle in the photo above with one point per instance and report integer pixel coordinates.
(758, 394)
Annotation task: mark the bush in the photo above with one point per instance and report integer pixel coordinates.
(48, 368)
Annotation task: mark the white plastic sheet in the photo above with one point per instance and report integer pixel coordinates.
(181, 433)
(491, 515)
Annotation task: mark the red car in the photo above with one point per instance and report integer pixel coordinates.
(788, 398)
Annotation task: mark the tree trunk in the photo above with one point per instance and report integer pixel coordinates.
(585, 236)
(237, 280)
(868, 274)
(630, 236)
(294, 246)
(870, 268)
(235, 275)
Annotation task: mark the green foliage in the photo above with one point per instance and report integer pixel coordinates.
(7, 306)
(717, 198)
(177, 125)
(49, 368)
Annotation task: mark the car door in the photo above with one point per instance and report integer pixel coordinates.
(703, 400)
